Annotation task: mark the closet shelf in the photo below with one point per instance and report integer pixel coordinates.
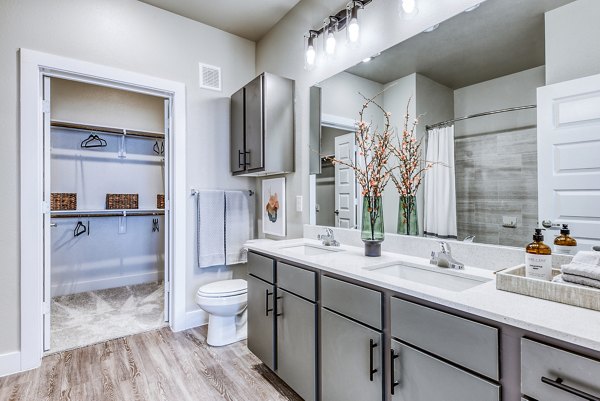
(107, 130)
(106, 213)
(95, 154)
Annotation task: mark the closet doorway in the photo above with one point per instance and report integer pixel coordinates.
(106, 235)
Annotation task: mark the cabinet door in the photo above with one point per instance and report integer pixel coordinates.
(236, 133)
(254, 124)
(296, 344)
(420, 377)
(261, 323)
(350, 353)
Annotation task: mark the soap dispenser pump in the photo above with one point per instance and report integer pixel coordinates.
(538, 258)
(564, 243)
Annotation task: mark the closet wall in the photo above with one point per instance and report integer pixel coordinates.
(113, 254)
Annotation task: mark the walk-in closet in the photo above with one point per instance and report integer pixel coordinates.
(106, 183)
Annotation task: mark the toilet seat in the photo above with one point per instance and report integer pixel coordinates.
(224, 288)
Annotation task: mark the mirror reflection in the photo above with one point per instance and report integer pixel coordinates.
(472, 82)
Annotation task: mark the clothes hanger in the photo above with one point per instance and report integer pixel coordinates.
(156, 148)
(93, 141)
(79, 229)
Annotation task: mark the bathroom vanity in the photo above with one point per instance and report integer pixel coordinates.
(336, 325)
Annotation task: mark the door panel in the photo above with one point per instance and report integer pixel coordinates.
(421, 377)
(47, 296)
(345, 350)
(167, 219)
(568, 162)
(254, 124)
(345, 182)
(261, 325)
(236, 146)
(296, 344)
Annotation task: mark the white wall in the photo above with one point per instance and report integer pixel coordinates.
(572, 33)
(281, 51)
(133, 36)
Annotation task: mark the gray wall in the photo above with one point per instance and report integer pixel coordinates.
(572, 33)
(496, 159)
(133, 36)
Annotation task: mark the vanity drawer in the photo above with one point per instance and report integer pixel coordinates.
(351, 300)
(297, 280)
(261, 267)
(462, 341)
(543, 361)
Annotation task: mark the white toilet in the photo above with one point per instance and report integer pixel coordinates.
(225, 302)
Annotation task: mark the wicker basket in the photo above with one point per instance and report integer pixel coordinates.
(160, 201)
(63, 201)
(122, 201)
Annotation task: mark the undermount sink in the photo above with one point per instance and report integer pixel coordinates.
(452, 281)
(309, 250)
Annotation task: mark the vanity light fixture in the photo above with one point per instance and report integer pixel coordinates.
(329, 29)
(408, 8)
(353, 28)
(311, 51)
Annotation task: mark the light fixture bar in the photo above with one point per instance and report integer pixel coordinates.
(342, 18)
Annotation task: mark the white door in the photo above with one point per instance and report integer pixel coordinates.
(167, 219)
(345, 182)
(47, 296)
(569, 158)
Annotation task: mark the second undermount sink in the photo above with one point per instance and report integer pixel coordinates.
(309, 250)
(432, 276)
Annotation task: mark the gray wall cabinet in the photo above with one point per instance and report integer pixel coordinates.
(351, 360)
(262, 127)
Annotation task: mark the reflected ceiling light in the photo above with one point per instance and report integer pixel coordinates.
(408, 8)
(311, 52)
(432, 28)
(475, 7)
(330, 41)
(366, 60)
(353, 28)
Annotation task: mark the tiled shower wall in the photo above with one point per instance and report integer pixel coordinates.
(496, 176)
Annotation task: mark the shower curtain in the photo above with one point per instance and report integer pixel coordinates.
(439, 187)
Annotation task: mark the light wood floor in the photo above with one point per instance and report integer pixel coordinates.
(157, 365)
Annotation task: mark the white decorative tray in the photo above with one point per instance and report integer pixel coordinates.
(514, 280)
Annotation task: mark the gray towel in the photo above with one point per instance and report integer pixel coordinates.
(582, 270)
(573, 279)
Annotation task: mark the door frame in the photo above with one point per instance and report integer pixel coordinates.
(34, 66)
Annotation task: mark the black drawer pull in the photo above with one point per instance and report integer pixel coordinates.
(558, 383)
(267, 309)
(372, 346)
(393, 370)
(247, 158)
(240, 163)
(278, 308)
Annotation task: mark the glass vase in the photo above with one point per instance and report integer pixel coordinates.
(372, 232)
(408, 223)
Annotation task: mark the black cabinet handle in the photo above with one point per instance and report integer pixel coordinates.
(393, 370)
(372, 346)
(279, 309)
(558, 383)
(247, 158)
(267, 309)
(240, 163)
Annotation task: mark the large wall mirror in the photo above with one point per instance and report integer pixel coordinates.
(481, 68)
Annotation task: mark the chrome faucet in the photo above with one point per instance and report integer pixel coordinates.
(328, 238)
(444, 258)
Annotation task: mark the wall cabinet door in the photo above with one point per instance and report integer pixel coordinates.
(236, 157)
(254, 124)
(351, 360)
(296, 344)
(417, 376)
(261, 322)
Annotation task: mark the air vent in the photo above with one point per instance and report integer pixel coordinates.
(210, 77)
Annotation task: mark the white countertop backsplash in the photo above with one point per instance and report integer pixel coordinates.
(563, 322)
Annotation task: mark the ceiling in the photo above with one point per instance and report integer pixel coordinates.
(250, 19)
(499, 38)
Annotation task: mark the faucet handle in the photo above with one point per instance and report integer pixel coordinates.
(445, 247)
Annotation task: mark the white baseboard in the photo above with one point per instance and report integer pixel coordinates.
(10, 363)
(111, 282)
(195, 318)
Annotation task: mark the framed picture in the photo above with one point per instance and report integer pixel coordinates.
(273, 206)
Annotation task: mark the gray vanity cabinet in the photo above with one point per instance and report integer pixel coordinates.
(262, 127)
(297, 344)
(420, 377)
(261, 324)
(351, 360)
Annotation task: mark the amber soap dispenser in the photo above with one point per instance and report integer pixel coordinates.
(564, 243)
(538, 258)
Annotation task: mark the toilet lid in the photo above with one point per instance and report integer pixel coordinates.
(224, 288)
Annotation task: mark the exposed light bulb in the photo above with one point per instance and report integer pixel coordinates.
(353, 30)
(409, 6)
(311, 55)
(330, 43)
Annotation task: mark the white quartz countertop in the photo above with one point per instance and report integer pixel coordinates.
(563, 322)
